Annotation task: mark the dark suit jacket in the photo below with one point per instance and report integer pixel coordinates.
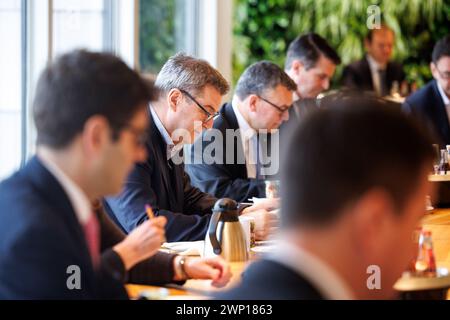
(269, 280)
(168, 191)
(224, 179)
(427, 104)
(156, 270)
(358, 76)
(40, 237)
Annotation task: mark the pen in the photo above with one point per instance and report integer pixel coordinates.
(149, 211)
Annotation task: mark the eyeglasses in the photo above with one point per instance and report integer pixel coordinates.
(444, 74)
(209, 115)
(140, 134)
(281, 109)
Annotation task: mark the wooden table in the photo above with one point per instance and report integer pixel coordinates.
(437, 221)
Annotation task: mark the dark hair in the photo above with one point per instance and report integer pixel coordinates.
(308, 48)
(261, 76)
(80, 84)
(385, 27)
(441, 49)
(344, 150)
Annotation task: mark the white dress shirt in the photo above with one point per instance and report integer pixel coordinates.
(374, 68)
(78, 199)
(445, 99)
(249, 142)
(326, 280)
(172, 148)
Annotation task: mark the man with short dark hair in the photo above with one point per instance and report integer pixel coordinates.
(260, 104)
(190, 95)
(310, 62)
(376, 72)
(89, 112)
(353, 190)
(432, 102)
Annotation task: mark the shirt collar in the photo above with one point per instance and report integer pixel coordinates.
(172, 148)
(244, 126)
(78, 199)
(444, 97)
(374, 65)
(326, 280)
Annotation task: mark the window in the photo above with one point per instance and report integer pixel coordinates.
(166, 27)
(81, 24)
(10, 86)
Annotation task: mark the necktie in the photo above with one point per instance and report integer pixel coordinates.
(92, 235)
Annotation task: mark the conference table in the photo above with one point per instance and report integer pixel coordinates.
(437, 221)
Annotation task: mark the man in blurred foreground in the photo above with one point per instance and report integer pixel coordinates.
(353, 190)
(91, 121)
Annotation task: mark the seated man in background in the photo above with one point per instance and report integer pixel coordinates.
(375, 72)
(190, 95)
(261, 102)
(432, 102)
(310, 62)
(53, 246)
(353, 190)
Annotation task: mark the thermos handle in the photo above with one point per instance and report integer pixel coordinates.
(212, 233)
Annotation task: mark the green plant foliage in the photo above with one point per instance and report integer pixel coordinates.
(156, 33)
(264, 29)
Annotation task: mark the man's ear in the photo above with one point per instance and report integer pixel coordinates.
(372, 223)
(252, 101)
(297, 66)
(174, 98)
(96, 133)
(433, 69)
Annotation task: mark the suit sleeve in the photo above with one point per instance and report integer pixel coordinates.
(155, 270)
(217, 180)
(129, 207)
(45, 263)
(349, 79)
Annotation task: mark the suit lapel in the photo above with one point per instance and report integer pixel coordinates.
(441, 113)
(159, 147)
(231, 123)
(366, 71)
(55, 196)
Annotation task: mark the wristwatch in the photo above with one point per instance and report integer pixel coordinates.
(181, 267)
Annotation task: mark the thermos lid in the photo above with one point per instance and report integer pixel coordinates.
(228, 209)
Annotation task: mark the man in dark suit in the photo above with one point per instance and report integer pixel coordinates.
(310, 62)
(375, 72)
(260, 104)
(346, 223)
(191, 92)
(432, 102)
(50, 238)
(53, 245)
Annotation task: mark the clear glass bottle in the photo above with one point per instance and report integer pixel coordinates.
(425, 263)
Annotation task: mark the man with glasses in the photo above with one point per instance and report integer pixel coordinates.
(260, 104)
(190, 95)
(431, 103)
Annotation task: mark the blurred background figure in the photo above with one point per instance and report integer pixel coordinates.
(343, 216)
(431, 103)
(310, 62)
(376, 72)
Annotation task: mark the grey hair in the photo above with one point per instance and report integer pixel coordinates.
(190, 74)
(261, 76)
